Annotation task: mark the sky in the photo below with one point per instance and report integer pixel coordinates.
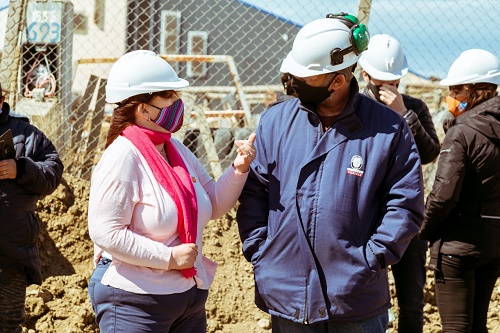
(433, 32)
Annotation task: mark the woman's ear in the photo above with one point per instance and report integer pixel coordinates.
(141, 111)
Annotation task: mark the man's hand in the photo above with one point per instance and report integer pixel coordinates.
(8, 169)
(390, 96)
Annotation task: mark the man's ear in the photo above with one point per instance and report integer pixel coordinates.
(366, 77)
(338, 82)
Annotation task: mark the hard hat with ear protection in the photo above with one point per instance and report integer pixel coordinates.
(473, 66)
(140, 72)
(326, 45)
(384, 59)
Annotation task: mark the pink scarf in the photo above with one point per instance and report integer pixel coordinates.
(174, 179)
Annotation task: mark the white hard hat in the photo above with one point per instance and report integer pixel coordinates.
(326, 45)
(140, 72)
(473, 66)
(384, 59)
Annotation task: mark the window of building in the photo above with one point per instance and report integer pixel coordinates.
(169, 34)
(80, 24)
(99, 10)
(197, 45)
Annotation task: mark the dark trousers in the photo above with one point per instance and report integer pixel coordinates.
(117, 310)
(12, 299)
(463, 291)
(409, 277)
(375, 324)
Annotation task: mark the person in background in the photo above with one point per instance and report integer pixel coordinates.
(462, 212)
(383, 65)
(150, 199)
(30, 169)
(288, 92)
(335, 194)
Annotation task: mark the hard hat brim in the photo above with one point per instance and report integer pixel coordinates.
(116, 94)
(383, 76)
(493, 79)
(289, 65)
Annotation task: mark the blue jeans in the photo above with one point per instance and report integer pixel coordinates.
(375, 324)
(117, 310)
(409, 277)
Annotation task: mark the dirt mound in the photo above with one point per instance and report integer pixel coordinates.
(61, 304)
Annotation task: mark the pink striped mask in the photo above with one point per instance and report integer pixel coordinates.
(171, 117)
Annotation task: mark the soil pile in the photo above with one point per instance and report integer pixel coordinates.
(62, 305)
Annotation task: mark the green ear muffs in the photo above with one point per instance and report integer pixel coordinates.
(359, 37)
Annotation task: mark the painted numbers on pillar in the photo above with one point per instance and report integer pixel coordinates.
(44, 22)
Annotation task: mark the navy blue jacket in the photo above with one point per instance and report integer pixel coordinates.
(324, 213)
(39, 172)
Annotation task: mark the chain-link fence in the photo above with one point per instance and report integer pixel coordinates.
(56, 56)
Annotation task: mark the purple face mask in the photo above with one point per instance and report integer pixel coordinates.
(171, 117)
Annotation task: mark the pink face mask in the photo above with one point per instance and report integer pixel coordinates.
(456, 106)
(171, 117)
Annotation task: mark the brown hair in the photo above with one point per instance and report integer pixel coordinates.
(479, 93)
(124, 116)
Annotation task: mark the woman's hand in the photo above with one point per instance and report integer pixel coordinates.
(246, 154)
(183, 256)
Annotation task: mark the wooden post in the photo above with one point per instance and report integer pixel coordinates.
(95, 131)
(363, 16)
(208, 142)
(11, 54)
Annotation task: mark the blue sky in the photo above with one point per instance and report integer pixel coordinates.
(433, 32)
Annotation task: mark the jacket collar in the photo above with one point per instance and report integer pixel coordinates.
(4, 116)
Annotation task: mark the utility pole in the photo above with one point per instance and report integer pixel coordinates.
(11, 54)
(364, 7)
(363, 15)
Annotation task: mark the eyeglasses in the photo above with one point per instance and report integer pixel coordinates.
(156, 107)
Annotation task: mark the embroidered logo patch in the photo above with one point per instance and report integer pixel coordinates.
(356, 165)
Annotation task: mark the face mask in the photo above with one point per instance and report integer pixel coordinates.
(456, 106)
(374, 89)
(309, 94)
(171, 117)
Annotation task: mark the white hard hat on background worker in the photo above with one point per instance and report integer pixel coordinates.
(473, 66)
(384, 59)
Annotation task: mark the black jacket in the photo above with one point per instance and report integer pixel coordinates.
(463, 209)
(419, 119)
(39, 172)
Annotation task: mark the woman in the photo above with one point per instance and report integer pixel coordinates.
(462, 219)
(150, 199)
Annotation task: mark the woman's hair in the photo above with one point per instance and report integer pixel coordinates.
(124, 113)
(479, 93)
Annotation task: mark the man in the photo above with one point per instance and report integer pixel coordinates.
(30, 168)
(334, 195)
(383, 65)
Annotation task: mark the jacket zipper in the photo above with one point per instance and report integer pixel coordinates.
(306, 315)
